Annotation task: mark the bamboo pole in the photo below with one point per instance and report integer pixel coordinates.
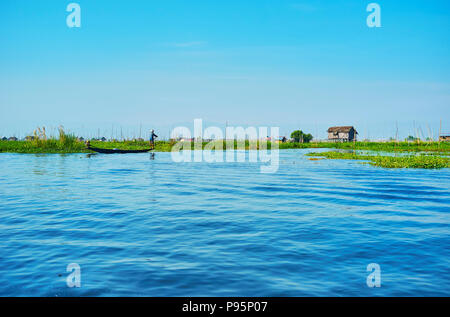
(396, 131)
(430, 135)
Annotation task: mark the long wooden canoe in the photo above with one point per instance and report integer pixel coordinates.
(116, 151)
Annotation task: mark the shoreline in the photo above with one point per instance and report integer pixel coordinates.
(54, 146)
(425, 155)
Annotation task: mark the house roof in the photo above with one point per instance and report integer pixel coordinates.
(345, 129)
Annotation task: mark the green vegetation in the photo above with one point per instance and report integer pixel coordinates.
(70, 144)
(375, 146)
(437, 153)
(39, 143)
(405, 161)
(299, 136)
(411, 139)
(67, 143)
(42, 146)
(160, 146)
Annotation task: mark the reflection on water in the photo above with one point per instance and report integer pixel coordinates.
(141, 225)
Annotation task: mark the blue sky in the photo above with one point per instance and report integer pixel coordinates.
(292, 64)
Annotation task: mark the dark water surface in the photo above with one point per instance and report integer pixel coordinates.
(141, 227)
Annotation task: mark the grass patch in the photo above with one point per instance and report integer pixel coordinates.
(405, 161)
(160, 146)
(375, 146)
(39, 143)
(68, 143)
(44, 146)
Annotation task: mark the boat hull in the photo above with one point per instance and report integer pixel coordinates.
(114, 151)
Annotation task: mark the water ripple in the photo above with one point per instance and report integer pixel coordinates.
(141, 227)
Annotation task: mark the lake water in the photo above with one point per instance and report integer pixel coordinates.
(142, 227)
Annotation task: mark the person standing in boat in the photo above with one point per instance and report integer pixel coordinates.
(153, 137)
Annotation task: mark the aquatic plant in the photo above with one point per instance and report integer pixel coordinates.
(41, 143)
(402, 161)
(375, 146)
(69, 143)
